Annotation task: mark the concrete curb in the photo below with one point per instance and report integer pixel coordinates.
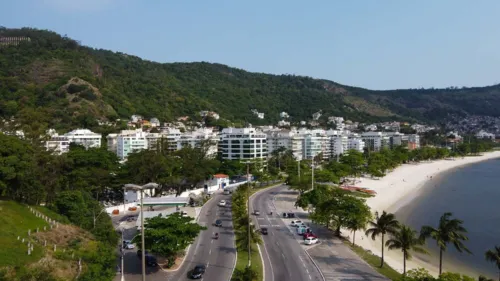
(263, 264)
(316, 265)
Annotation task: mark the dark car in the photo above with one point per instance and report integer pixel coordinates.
(151, 261)
(218, 223)
(256, 212)
(263, 231)
(291, 215)
(198, 272)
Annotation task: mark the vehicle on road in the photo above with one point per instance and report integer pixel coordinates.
(311, 241)
(139, 253)
(297, 223)
(151, 261)
(127, 244)
(263, 230)
(309, 234)
(227, 191)
(218, 223)
(302, 229)
(222, 203)
(256, 212)
(198, 272)
(216, 236)
(289, 215)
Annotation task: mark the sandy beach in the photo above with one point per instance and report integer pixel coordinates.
(399, 188)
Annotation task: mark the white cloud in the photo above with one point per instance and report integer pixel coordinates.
(79, 5)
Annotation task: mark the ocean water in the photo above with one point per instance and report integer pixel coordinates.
(472, 194)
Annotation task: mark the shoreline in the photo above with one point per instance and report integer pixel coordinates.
(399, 188)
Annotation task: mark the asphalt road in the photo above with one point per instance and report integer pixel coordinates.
(284, 257)
(218, 255)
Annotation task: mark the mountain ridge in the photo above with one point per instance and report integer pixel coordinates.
(33, 72)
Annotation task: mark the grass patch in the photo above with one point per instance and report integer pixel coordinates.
(374, 261)
(242, 261)
(16, 220)
(51, 214)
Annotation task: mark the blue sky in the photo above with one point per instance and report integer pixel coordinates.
(375, 44)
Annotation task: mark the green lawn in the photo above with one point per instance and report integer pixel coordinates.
(51, 214)
(15, 220)
(374, 261)
(242, 261)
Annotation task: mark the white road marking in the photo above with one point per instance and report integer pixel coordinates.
(310, 276)
(283, 255)
(277, 243)
(211, 241)
(263, 225)
(210, 252)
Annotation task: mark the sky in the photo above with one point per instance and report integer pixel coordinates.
(375, 44)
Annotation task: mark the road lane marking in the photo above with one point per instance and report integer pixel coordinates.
(283, 255)
(263, 225)
(211, 241)
(210, 252)
(310, 277)
(277, 243)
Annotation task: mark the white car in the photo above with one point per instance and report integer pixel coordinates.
(222, 203)
(297, 223)
(311, 240)
(127, 244)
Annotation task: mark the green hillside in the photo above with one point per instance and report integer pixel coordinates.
(71, 85)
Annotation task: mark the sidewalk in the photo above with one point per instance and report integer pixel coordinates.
(335, 260)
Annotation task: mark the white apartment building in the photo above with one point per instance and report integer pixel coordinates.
(242, 144)
(84, 137)
(197, 137)
(128, 143)
(57, 144)
(155, 122)
(355, 143)
(284, 115)
(287, 139)
(283, 123)
(485, 135)
(314, 143)
(338, 142)
(375, 141)
(172, 136)
(112, 141)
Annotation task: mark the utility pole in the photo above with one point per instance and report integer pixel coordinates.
(248, 213)
(121, 250)
(312, 177)
(298, 168)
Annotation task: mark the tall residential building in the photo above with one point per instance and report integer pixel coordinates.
(338, 142)
(172, 135)
(355, 143)
(290, 140)
(197, 137)
(84, 137)
(128, 143)
(242, 144)
(314, 143)
(375, 141)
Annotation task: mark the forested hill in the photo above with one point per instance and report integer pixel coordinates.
(52, 80)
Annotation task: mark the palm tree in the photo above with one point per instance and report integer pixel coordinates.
(448, 231)
(242, 237)
(407, 240)
(494, 257)
(384, 224)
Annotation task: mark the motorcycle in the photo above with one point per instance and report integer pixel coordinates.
(216, 236)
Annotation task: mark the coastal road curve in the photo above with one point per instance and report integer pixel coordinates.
(284, 258)
(218, 255)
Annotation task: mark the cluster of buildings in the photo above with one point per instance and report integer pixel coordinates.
(237, 143)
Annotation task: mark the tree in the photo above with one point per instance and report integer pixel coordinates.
(385, 224)
(342, 209)
(358, 221)
(244, 235)
(354, 160)
(494, 257)
(168, 236)
(406, 239)
(448, 231)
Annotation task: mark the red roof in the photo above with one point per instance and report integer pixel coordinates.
(221, 176)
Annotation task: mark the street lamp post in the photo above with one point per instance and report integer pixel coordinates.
(248, 211)
(140, 188)
(122, 261)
